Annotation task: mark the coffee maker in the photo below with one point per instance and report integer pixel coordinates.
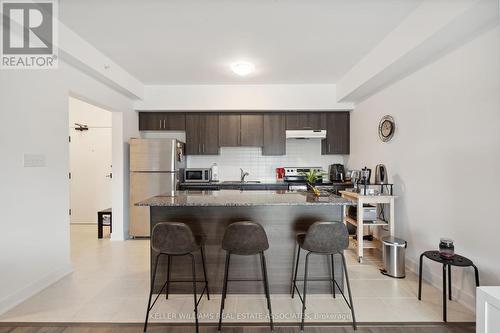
(366, 174)
(337, 173)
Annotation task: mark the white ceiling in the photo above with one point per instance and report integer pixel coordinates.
(175, 42)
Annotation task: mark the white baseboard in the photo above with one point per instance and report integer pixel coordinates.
(436, 280)
(23, 294)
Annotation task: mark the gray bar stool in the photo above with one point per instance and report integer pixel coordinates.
(323, 238)
(245, 238)
(176, 239)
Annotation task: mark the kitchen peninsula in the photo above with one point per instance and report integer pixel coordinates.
(282, 213)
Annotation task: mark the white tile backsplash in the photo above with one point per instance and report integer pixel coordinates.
(303, 153)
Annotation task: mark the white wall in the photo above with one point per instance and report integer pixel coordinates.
(444, 157)
(306, 153)
(35, 201)
(242, 97)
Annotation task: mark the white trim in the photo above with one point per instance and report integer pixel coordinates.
(23, 294)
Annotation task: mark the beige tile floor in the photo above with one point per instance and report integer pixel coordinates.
(111, 279)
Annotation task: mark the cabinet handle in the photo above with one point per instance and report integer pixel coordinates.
(203, 145)
(328, 147)
(164, 124)
(199, 147)
(160, 123)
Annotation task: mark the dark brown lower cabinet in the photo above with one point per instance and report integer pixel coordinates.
(337, 134)
(274, 134)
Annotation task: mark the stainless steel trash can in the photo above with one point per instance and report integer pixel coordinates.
(394, 256)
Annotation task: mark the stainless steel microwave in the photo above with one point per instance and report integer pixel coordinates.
(200, 175)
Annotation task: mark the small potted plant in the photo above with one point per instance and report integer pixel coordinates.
(313, 177)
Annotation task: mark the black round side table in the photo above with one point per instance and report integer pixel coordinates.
(457, 260)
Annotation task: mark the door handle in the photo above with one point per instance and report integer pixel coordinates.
(110, 175)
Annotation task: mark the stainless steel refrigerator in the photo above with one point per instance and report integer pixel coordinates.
(155, 168)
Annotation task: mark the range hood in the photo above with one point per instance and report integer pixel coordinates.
(306, 134)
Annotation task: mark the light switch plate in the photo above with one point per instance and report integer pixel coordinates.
(34, 160)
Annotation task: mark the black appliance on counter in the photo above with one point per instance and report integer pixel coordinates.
(337, 173)
(366, 175)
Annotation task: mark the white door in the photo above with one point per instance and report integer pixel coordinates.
(90, 170)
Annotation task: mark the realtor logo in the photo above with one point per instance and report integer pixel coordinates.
(29, 34)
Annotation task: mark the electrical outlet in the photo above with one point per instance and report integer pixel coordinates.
(34, 160)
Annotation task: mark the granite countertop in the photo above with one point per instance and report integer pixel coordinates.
(236, 198)
(234, 183)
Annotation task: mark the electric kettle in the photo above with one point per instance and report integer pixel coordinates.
(381, 174)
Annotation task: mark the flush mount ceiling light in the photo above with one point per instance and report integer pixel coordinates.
(242, 68)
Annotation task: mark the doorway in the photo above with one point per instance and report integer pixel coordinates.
(90, 161)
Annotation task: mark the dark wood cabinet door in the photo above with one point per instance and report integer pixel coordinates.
(337, 134)
(252, 130)
(305, 121)
(162, 121)
(149, 121)
(229, 129)
(209, 124)
(316, 120)
(274, 134)
(296, 121)
(173, 121)
(193, 137)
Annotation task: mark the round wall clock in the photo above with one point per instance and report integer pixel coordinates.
(386, 128)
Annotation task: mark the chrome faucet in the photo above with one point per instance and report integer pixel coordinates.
(243, 175)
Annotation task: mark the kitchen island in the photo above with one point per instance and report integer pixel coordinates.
(283, 214)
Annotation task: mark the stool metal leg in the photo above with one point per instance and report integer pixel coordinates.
(204, 270)
(476, 274)
(420, 269)
(449, 282)
(168, 275)
(354, 325)
(194, 293)
(99, 225)
(296, 270)
(333, 276)
(305, 293)
(444, 292)
(224, 289)
(266, 288)
(151, 292)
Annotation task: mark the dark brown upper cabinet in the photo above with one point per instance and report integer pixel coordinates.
(162, 121)
(337, 134)
(274, 134)
(305, 120)
(229, 129)
(252, 130)
(202, 134)
(149, 121)
(241, 130)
